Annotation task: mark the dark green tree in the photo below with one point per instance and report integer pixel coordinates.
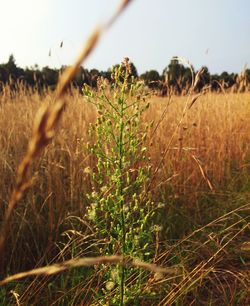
(177, 76)
(227, 79)
(50, 76)
(248, 74)
(152, 79)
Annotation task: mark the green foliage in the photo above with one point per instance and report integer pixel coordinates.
(152, 79)
(120, 210)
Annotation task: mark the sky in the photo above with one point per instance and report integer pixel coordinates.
(212, 33)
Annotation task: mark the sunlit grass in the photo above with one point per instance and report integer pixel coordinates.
(201, 229)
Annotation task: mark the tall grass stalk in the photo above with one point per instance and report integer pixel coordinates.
(45, 123)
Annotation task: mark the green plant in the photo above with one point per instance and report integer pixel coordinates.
(119, 209)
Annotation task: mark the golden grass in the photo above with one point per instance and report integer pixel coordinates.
(214, 131)
(211, 145)
(200, 147)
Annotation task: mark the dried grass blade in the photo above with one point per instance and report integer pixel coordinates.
(120, 9)
(203, 173)
(87, 262)
(45, 123)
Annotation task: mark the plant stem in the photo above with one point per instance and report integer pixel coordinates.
(120, 182)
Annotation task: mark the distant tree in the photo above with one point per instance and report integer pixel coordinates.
(177, 76)
(106, 75)
(30, 77)
(133, 71)
(10, 71)
(3, 73)
(215, 82)
(173, 71)
(248, 74)
(11, 64)
(187, 78)
(94, 74)
(227, 79)
(80, 77)
(152, 79)
(50, 76)
(204, 78)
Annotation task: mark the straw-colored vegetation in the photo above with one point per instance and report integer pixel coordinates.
(122, 197)
(199, 179)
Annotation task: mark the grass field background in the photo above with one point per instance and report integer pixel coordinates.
(200, 162)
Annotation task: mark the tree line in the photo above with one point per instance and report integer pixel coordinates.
(176, 78)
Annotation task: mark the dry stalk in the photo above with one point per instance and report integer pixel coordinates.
(191, 99)
(46, 121)
(16, 296)
(203, 173)
(90, 261)
(198, 273)
(120, 9)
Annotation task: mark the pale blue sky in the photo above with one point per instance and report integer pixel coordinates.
(215, 33)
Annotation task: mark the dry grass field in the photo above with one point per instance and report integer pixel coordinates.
(115, 196)
(200, 179)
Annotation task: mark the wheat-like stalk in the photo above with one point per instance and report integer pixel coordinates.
(44, 128)
(88, 262)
